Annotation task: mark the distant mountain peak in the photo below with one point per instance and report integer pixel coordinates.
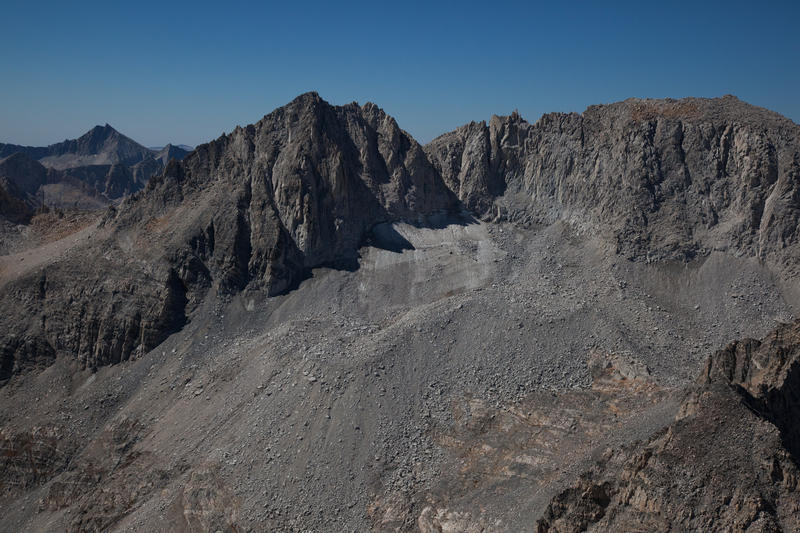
(107, 129)
(170, 151)
(99, 166)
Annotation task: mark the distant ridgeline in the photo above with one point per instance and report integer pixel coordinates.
(90, 172)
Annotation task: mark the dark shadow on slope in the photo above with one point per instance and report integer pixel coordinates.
(383, 236)
(461, 217)
(386, 237)
(781, 406)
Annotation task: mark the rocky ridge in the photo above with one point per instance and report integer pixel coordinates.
(303, 188)
(318, 336)
(256, 210)
(102, 145)
(663, 179)
(98, 168)
(728, 462)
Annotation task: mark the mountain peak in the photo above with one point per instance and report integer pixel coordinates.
(310, 96)
(309, 100)
(105, 128)
(100, 131)
(170, 151)
(102, 145)
(351, 167)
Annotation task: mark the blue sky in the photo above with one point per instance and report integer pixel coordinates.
(186, 72)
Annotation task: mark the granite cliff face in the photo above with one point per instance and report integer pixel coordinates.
(301, 188)
(662, 179)
(254, 210)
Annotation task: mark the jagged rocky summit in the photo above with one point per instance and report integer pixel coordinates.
(252, 210)
(255, 210)
(662, 179)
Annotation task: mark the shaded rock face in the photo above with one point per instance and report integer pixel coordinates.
(115, 311)
(25, 173)
(728, 462)
(662, 179)
(299, 189)
(15, 206)
(20, 180)
(767, 374)
(253, 210)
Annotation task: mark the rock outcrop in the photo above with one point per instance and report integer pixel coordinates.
(20, 179)
(16, 207)
(31, 458)
(661, 179)
(727, 463)
(27, 174)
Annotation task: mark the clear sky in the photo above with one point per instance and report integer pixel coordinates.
(184, 72)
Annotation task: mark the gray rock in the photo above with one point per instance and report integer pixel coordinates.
(253, 210)
(662, 179)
